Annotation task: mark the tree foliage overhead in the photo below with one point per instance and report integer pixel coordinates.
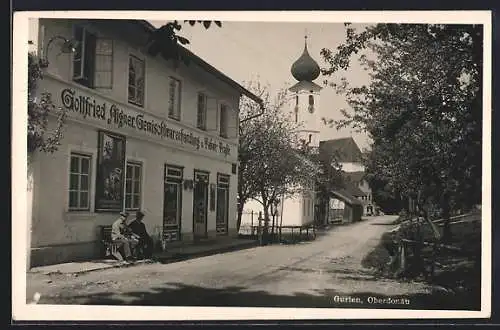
(422, 107)
(40, 138)
(271, 163)
(166, 40)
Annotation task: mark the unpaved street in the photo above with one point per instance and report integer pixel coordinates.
(326, 272)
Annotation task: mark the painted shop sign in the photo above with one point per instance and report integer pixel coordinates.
(112, 114)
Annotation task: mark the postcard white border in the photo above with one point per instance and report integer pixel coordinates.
(23, 311)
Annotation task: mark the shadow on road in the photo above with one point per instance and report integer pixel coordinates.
(178, 294)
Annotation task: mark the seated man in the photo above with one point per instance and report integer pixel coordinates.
(139, 229)
(120, 234)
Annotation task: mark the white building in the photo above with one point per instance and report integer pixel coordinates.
(143, 133)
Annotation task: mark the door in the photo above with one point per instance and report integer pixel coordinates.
(200, 204)
(172, 204)
(221, 220)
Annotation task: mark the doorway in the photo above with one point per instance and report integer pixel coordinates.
(172, 203)
(200, 204)
(221, 221)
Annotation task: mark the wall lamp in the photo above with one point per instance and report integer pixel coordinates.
(68, 46)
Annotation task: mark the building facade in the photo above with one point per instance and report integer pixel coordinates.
(142, 132)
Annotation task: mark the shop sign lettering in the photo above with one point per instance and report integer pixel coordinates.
(113, 115)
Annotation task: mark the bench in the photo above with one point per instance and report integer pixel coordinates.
(110, 248)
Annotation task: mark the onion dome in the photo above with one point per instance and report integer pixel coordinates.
(305, 68)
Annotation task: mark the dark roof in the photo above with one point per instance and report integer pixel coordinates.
(354, 176)
(345, 149)
(209, 68)
(346, 197)
(354, 190)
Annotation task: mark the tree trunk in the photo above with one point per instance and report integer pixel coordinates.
(239, 210)
(266, 220)
(272, 228)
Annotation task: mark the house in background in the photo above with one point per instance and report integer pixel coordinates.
(143, 132)
(350, 157)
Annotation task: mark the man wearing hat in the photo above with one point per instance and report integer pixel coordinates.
(145, 241)
(120, 234)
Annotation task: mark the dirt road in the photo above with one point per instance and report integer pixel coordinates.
(326, 272)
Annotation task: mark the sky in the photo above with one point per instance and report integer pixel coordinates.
(265, 51)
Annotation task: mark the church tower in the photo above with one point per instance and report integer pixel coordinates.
(305, 97)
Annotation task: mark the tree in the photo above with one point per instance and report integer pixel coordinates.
(39, 108)
(165, 39)
(271, 163)
(330, 177)
(422, 108)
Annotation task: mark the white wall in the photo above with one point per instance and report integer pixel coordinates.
(352, 167)
(292, 209)
(310, 122)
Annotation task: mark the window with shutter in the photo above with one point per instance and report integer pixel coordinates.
(92, 59)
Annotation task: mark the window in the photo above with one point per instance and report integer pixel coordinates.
(133, 186)
(222, 204)
(79, 182)
(92, 60)
(223, 120)
(201, 122)
(136, 78)
(174, 99)
(311, 103)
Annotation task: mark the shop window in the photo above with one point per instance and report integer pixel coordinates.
(174, 99)
(133, 181)
(79, 182)
(222, 204)
(92, 60)
(136, 79)
(223, 121)
(201, 121)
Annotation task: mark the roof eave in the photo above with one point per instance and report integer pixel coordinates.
(209, 68)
